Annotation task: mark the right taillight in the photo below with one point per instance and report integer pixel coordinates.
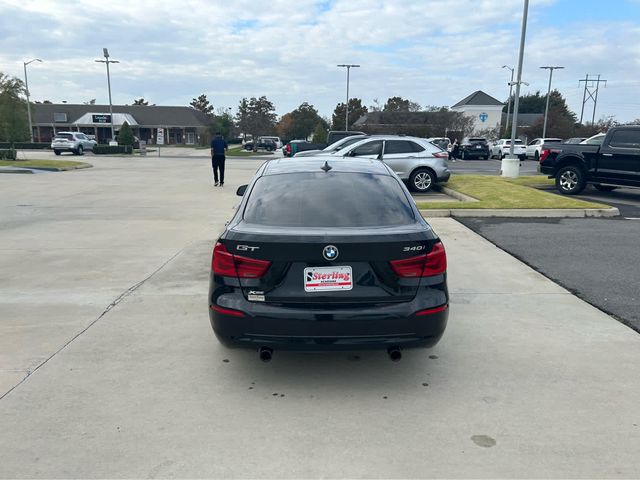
(425, 265)
(544, 154)
(227, 264)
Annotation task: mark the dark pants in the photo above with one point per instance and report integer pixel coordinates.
(217, 163)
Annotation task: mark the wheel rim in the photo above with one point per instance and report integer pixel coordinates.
(422, 181)
(568, 180)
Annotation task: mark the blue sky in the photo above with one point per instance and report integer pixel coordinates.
(434, 52)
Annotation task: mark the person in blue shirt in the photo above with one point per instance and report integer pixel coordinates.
(218, 148)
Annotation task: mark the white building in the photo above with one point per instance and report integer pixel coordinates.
(483, 108)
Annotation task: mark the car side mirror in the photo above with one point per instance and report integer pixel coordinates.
(241, 189)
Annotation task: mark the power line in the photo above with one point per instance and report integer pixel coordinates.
(591, 87)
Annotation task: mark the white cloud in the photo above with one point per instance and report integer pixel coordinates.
(432, 51)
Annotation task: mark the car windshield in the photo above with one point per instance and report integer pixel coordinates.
(337, 146)
(332, 199)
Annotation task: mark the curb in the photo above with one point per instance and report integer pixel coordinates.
(455, 194)
(523, 213)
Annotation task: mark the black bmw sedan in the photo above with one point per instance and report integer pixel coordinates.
(328, 255)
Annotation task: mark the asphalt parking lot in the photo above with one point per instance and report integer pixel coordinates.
(109, 368)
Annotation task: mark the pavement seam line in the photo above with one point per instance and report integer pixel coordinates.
(112, 305)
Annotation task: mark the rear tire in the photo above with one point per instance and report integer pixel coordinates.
(79, 151)
(604, 188)
(463, 156)
(57, 152)
(570, 180)
(422, 180)
(536, 156)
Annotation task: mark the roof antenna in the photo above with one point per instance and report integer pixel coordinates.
(326, 167)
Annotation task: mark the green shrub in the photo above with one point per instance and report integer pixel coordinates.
(7, 154)
(26, 145)
(125, 135)
(109, 150)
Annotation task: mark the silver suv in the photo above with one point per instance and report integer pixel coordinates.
(415, 160)
(75, 142)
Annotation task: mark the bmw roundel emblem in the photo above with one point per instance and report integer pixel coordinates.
(330, 252)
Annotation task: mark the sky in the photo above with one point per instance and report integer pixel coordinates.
(434, 52)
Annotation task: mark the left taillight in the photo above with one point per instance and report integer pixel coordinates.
(441, 155)
(544, 154)
(425, 265)
(227, 264)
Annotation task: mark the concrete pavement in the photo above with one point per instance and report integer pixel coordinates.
(528, 381)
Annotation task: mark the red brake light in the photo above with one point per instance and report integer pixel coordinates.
(436, 261)
(544, 154)
(431, 311)
(230, 311)
(425, 265)
(226, 264)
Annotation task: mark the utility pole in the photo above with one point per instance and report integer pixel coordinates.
(346, 115)
(107, 62)
(592, 92)
(546, 109)
(511, 165)
(26, 89)
(506, 126)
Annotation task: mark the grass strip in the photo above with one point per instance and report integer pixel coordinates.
(499, 192)
(45, 164)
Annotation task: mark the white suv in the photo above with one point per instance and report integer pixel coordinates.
(74, 142)
(535, 146)
(501, 149)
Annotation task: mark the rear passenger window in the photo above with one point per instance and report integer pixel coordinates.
(398, 146)
(625, 139)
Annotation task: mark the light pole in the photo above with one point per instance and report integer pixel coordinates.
(26, 87)
(546, 109)
(346, 115)
(506, 126)
(511, 165)
(107, 62)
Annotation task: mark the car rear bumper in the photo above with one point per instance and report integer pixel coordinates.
(476, 153)
(364, 328)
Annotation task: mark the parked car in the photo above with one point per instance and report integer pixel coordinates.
(416, 161)
(501, 149)
(440, 142)
(332, 254)
(614, 163)
(74, 142)
(574, 140)
(275, 140)
(534, 148)
(597, 139)
(474, 147)
(335, 135)
(334, 147)
(263, 144)
(295, 146)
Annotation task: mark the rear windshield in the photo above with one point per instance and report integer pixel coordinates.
(553, 140)
(67, 136)
(477, 139)
(321, 199)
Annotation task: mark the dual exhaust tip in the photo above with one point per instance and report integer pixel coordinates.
(266, 354)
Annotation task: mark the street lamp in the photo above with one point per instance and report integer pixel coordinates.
(346, 115)
(26, 86)
(506, 126)
(511, 164)
(107, 62)
(546, 109)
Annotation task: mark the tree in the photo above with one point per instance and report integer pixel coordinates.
(320, 133)
(399, 104)
(14, 126)
(90, 102)
(202, 104)
(303, 121)
(284, 127)
(356, 110)
(140, 101)
(125, 135)
(256, 116)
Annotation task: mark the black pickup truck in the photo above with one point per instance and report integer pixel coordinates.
(614, 163)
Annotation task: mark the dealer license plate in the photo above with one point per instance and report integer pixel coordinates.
(327, 279)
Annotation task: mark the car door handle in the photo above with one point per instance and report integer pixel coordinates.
(607, 154)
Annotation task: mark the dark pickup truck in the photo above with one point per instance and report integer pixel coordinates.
(614, 163)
